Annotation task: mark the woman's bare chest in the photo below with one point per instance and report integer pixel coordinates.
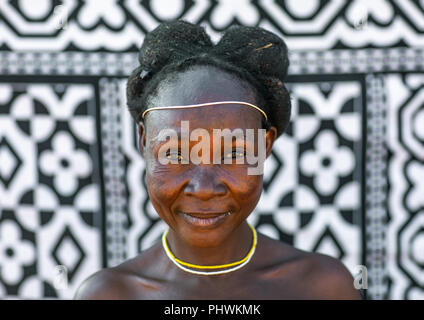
(249, 289)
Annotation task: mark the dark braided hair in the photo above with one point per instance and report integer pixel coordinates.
(251, 53)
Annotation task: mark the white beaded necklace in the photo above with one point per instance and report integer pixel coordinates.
(172, 258)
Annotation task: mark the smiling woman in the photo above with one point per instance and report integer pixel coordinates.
(210, 251)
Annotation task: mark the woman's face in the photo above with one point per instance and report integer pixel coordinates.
(180, 192)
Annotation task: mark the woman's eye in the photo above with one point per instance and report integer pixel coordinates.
(174, 156)
(236, 154)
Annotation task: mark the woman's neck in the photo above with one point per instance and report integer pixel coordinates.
(234, 248)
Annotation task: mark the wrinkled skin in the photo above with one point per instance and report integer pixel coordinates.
(276, 271)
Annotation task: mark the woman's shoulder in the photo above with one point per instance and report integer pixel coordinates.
(123, 281)
(105, 284)
(328, 278)
(320, 275)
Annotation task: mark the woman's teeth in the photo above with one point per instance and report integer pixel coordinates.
(205, 222)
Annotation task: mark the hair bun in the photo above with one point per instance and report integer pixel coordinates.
(265, 56)
(172, 41)
(259, 51)
(253, 54)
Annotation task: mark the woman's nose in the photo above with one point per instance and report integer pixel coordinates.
(205, 183)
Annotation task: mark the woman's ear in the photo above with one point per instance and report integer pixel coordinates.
(142, 138)
(270, 136)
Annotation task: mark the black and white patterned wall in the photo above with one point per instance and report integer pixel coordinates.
(347, 179)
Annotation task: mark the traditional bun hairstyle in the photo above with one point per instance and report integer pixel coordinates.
(251, 53)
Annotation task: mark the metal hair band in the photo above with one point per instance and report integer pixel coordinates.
(205, 105)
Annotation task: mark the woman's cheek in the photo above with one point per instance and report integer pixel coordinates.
(161, 195)
(163, 183)
(244, 184)
(250, 189)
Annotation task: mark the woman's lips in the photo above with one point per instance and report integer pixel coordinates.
(205, 220)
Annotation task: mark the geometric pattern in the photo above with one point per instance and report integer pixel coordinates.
(346, 179)
(376, 187)
(405, 233)
(49, 191)
(317, 25)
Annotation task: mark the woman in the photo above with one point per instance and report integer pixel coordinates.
(210, 251)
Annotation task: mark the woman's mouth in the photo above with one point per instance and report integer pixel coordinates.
(205, 220)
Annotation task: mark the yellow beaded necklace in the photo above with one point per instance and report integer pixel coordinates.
(238, 264)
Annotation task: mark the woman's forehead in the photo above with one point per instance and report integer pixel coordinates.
(211, 117)
(201, 84)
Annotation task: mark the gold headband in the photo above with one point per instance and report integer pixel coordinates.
(207, 104)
